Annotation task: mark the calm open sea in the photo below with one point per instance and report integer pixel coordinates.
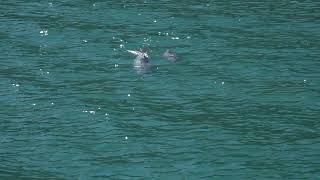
(242, 101)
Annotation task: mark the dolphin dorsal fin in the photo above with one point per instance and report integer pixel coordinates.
(137, 53)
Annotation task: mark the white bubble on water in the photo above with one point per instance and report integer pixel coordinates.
(92, 112)
(121, 45)
(222, 83)
(116, 65)
(126, 137)
(107, 116)
(129, 95)
(34, 104)
(154, 21)
(44, 32)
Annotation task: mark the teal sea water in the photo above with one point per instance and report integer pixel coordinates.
(242, 101)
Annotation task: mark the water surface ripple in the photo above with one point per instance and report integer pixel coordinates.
(242, 101)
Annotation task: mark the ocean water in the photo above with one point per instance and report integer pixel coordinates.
(241, 102)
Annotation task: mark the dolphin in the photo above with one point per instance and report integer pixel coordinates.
(169, 55)
(142, 62)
